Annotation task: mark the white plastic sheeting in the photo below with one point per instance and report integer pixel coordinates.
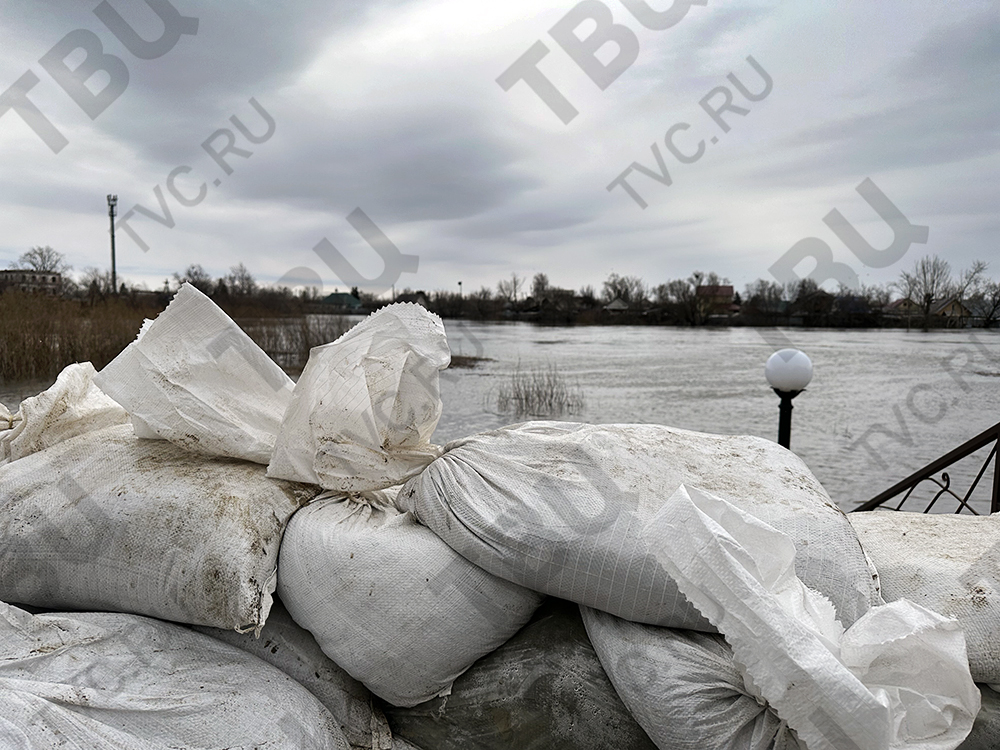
(72, 406)
(95, 680)
(106, 521)
(193, 377)
(366, 405)
(389, 601)
(897, 678)
(560, 508)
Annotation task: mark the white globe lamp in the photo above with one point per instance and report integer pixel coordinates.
(788, 372)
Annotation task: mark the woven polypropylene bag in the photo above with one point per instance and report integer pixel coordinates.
(897, 678)
(99, 680)
(284, 644)
(683, 687)
(193, 377)
(544, 689)
(560, 507)
(109, 521)
(389, 601)
(72, 406)
(947, 563)
(365, 407)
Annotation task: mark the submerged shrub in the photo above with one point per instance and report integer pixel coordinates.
(540, 392)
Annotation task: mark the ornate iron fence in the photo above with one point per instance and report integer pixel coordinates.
(943, 485)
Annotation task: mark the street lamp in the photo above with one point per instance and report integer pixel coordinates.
(788, 372)
(460, 290)
(112, 210)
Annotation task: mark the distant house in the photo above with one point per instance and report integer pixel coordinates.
(617, 305)
(343, 301)
(46, 282)
(555, 298)
(715, 299)
(902, 308)
(952, 311)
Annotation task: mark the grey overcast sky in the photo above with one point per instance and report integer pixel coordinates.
(393, 106)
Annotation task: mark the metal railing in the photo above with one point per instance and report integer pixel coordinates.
(906, 486)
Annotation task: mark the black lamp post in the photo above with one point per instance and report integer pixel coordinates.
(112, 210)
(788, 372)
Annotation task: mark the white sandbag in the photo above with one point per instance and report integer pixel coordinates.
(193, 377)
(97, 680)
(683, 687)
(389, 601)
(544, 689)
(947, 563)
(897, 678)
(290, 648)
(559, 508)
(366, 405)
(107, 521)
(71, 406)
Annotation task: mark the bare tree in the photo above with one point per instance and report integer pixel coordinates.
(969, 280)
(508, 289)
(482, 302)
(799, 290)
(682, 296)
(240, 282)
(629, 289)
(95, 282)
(929, 281)
(539, 286)
(987, 302)
(875, 295)
(197, 277)
(44, 259)
(764, 299)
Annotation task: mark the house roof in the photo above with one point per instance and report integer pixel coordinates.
(342, 299)
(939, 307)
(616, 304)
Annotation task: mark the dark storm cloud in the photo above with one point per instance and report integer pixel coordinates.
(240, 50)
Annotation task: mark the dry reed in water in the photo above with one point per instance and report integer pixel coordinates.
(541, 392)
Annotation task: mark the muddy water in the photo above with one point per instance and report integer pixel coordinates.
(929, 391)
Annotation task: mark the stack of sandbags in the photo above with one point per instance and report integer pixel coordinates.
(542, 690)
(108, 521)
(167, 517)
(560, 508)
(120, 681)
(390, 602)
(947, 563)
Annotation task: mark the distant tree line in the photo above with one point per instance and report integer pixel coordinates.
(927, 295)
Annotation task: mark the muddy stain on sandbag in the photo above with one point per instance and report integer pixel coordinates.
(110, 521)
